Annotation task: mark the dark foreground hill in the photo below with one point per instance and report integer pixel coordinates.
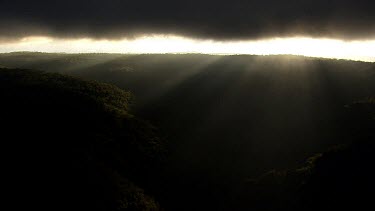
(72, 144)
(340, 178)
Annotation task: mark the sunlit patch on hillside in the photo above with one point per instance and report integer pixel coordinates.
(325, 48)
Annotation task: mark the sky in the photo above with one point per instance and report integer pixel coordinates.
(222, 23)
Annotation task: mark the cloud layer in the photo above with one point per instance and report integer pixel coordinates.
(204, 19)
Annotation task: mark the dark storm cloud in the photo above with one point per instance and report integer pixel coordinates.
(207, 19)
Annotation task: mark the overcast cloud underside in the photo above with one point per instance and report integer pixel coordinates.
(219, 20)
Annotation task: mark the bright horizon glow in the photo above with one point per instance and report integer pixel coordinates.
(311, 47)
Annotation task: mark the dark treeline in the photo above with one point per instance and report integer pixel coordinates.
(237, 131)
(73, 144)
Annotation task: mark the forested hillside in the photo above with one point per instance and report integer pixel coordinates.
(234, 132)
(76, 143)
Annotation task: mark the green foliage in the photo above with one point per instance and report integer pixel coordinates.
(81, 134)
(227, 118)
(337, 179)
(108, 95)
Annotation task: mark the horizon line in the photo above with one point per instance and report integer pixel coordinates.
(194, 53)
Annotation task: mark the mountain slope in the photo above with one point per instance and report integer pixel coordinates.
(76, 143)
(228, 117)
(336, 179)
